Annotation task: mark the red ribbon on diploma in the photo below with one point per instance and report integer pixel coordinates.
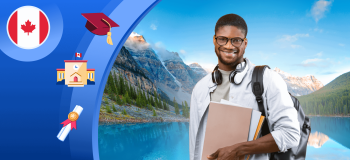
(67, 121)
(72, 118)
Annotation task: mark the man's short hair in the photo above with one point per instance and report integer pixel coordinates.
(232, 20)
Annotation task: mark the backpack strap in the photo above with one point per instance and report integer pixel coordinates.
(258, 90)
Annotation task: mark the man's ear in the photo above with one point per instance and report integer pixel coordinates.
(214, 40)
(246, 43)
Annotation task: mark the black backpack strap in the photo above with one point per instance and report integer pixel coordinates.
(258, 90)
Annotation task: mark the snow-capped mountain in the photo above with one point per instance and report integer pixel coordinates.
(197, 68)
(164, 68)
(299, 86)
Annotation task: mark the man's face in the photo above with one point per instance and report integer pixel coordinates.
(228, 54)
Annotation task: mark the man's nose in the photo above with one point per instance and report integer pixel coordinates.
(229, 45)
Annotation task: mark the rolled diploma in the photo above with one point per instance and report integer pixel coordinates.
(66, 129)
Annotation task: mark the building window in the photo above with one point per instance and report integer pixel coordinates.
(59, 75)
(89, 75)
(62, 75)
(92, 75)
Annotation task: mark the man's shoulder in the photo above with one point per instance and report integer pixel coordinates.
(273, 79)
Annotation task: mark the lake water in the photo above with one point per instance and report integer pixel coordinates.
(329, 139)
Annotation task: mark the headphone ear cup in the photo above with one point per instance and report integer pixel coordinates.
(232, 77)
(218, 77)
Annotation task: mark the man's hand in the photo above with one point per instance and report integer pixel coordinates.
(227, 153)
(265, 144)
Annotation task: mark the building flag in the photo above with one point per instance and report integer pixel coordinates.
(78, 55)
(28, 27)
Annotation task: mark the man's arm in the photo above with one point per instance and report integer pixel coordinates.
(282, 118)
(193, 124)
(265, 144)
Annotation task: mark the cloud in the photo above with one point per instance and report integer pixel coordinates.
(318, 30)
(182, 51)
(134, 44)
(292, 38)
(153, 27)
(316, 62)
(308, 61)
(341, 44)
(163, 53)
(208, 67)
(319, 54)
(327, 72)
(319, 8)
(287, 40)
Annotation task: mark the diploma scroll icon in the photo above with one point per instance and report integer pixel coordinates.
(70, 123)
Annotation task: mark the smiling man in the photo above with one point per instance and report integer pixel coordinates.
(230, 80)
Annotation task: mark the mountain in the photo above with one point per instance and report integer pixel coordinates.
(165, 69)
(332, 99)
(132, 72)
(182, 72)
(198, 69)
(317, 139)
(299, 86)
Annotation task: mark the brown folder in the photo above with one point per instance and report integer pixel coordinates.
(226, 125)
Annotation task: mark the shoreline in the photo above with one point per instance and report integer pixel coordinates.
(327, 116)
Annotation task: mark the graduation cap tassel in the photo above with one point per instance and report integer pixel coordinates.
(109, 38)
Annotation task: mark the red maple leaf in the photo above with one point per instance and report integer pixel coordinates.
(28, 27)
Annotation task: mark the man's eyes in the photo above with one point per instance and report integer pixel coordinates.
(236, 40)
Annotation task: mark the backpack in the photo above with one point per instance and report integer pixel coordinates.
(298, 152)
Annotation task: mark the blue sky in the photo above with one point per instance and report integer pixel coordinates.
(299, 37)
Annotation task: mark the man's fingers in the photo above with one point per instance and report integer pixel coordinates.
(214, 155)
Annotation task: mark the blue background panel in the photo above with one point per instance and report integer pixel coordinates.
(32, 106)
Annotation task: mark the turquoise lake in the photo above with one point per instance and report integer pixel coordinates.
(329, 139)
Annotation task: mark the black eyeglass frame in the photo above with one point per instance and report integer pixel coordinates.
(216, 39)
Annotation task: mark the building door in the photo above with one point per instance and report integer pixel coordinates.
(75, 79)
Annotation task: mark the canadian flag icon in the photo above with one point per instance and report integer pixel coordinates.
(28, 27)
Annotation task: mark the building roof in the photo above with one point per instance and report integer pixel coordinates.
(64, 69)
(75, 60)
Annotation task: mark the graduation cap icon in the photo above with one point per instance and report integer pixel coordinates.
(100, 24)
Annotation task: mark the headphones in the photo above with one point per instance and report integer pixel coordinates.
(236, 76)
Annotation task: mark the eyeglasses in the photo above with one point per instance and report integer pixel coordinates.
(237, 42)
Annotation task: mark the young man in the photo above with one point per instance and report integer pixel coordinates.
(230, 43)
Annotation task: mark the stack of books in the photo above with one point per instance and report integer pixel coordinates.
(229, 124)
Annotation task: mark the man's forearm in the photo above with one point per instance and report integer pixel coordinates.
(265, 144)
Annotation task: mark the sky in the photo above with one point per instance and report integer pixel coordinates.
(299, 37)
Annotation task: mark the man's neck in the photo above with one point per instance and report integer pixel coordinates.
(229, 67)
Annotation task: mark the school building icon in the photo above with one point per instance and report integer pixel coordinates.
(75, 74)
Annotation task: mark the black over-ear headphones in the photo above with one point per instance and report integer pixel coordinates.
(234, 77)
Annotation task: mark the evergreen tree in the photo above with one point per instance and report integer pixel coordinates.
(121, 85)
(119, 101)
(183, 109)
(154, 113)
(123, 100)
(187, 110)
(128, 98)
(114, 109)
(176, 107)
(149, 107)
(124, 112)
(111, 95)
(138, 103)
(108, 109)
(116, 83)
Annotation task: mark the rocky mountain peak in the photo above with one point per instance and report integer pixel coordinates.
(198, 68)
(300, 85)
(136, 37)
(194, 65)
